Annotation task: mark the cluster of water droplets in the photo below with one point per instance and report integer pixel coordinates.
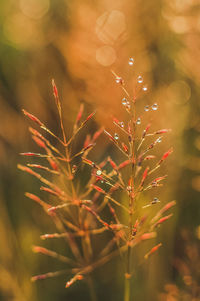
(126, 103)
(154, 107)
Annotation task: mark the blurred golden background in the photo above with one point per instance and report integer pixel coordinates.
(78, 43)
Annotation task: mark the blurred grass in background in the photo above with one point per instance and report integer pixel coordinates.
(78, 43)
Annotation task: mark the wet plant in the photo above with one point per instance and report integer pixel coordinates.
(114, 199)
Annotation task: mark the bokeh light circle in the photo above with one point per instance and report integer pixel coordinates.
(106, 55)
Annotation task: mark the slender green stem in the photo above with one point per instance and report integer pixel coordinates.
(127, 289)
(93, 295)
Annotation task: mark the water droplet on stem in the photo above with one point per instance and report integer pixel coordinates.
(124, 101)
(140, 79)
(116, 136)
(131, 61)
(98, 172)
(154, 107)
(138, 121)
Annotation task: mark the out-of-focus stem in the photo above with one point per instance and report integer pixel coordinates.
(127, 290)
(93, 296)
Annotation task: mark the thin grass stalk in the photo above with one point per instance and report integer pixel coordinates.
(93, 296)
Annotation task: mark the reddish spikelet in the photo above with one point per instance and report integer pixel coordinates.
(96, 215)
(146, 130)
(35, 132)
(114, 188)
(54, 235)
(89, 162)
(149, 157)
(103, 163)
(37, 200)
(25, 168)
(89, 146)
(51, 191)
(97, 134)
(144, 177)
(162, 220)
(168, 206)
(163, 131)
(74, 279)
(43, 167)
(113, 212)
(154, 249)
(149, 235)
(30, 154)
(99, 189)
(90, 116)
(163, 210)
(145, 174)
(159, 179)
(54, 208)
(53, 164)
(55, 90)
(125, 147)
(80, 113)
(124, 164)
(109, 136)
(42, 250)
(87, 141)
(39, 142)
(112, 163)
(32, 117)
(165, 155)
(39, 277)
(134, 229)
(47, 275)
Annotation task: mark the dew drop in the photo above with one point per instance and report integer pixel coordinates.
(140, 79)
(154, 107)
(159, 140)
(116, 136)
(118, 80)
(98, 172)
(124, 101)
(121, 124)
(144, 88)
(138, 121)
(131, 61)
(146, 108)
(155, 201)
